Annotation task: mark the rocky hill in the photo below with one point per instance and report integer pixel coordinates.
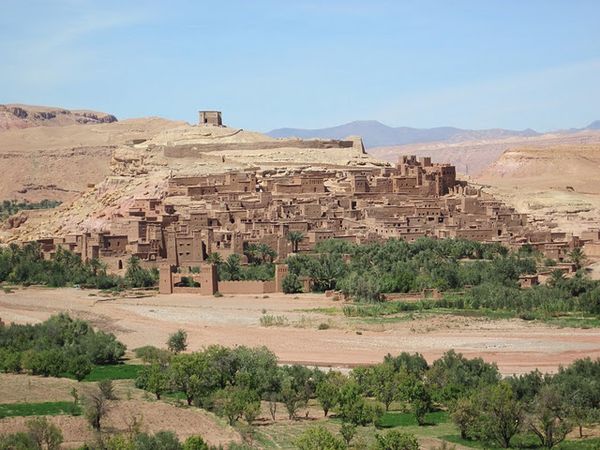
(25, 116)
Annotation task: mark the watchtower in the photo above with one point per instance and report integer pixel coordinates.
(210, 118)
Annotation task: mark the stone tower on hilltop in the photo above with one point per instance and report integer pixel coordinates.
(210, 118)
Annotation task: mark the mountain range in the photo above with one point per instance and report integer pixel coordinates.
(377, 134)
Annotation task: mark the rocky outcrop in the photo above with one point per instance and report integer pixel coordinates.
(25, 116)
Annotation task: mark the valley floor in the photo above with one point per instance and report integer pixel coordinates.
(517, 346)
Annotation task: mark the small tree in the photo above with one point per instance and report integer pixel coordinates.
(177, 341)
(96, 409)
(46, 435)
(234, 402)
(153, 378)
(318, 438)
(464, 414)
(548, 418)
(500, 413)
(387, 383)
(273, 405)
(419, 397)
(107, 388)
(251, 410)
(347, 430)
(328, 395)
(395, 440)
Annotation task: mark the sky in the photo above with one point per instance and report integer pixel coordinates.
(308, 63)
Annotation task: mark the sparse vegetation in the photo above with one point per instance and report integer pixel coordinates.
(269, 320)
(10, 207)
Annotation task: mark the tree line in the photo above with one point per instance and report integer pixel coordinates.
(58, 346)
(485, 407)
(10, 207)
(472, 275)
(26, 265)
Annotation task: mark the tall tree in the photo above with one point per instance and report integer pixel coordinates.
(295, 237)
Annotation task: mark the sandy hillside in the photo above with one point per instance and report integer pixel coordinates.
(59, 162)
(558, 182)
(473, 156)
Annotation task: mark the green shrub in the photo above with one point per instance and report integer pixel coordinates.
(291, 284)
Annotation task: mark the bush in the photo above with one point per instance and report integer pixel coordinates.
(291, 284)
(45, 434)
(318, 438)
(163, 440)
(195, 443)
(177, 341)
(395, 440)
(151, 354)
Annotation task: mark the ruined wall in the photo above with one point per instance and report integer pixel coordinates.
(192, 150)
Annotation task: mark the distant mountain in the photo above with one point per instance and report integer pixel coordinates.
(595, 125)
(376, 134)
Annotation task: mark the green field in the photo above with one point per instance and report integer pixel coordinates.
(116, 372)
(398, 419)
(38, 409)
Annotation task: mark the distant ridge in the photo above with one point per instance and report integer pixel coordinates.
(377, 134)
(595, 125)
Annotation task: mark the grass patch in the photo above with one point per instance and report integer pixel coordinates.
(39, 409)
(573, 321)
(525, 441)
(179, 395)
(269, 320)
(580, 444)
(116, 372)
(397, 419)
(331, 311)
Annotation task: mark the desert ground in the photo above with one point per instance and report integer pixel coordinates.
(517, 346)
(131, 406)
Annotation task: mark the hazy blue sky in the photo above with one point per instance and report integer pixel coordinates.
(308, 63)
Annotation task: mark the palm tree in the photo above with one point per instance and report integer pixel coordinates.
(215, 258)
(556, 278)
(577, 257)
(97, 266)
(232, 268)
(295, 237)
(266, 253)
(252, 252)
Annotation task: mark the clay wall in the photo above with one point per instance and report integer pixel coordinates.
(592, 249)
(246, 287)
